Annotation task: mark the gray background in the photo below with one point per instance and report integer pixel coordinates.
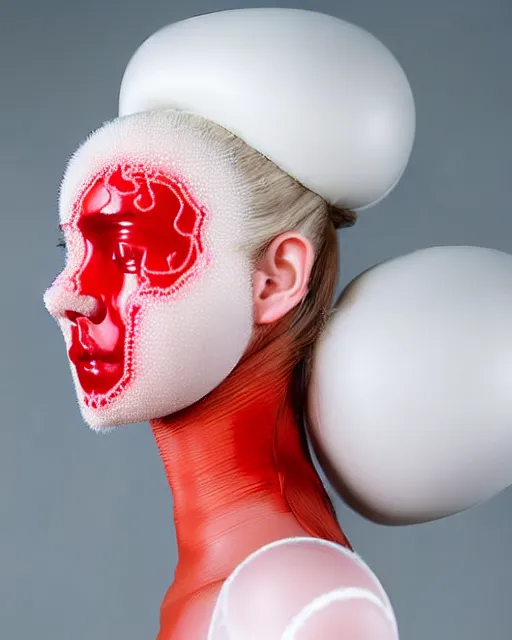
(86, 538)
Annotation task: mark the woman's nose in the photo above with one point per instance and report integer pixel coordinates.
(95, 316)
(63, 303)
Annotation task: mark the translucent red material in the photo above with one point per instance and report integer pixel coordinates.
(241, 477)
(135, 223)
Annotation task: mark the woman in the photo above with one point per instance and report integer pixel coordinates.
(201, 265)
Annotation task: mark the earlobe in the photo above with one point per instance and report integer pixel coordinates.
(282, 276)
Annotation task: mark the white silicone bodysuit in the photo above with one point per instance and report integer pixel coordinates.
(303, 589)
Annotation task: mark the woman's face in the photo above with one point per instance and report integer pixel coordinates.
(155, 300)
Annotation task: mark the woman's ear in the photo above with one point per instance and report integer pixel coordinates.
(282, 277)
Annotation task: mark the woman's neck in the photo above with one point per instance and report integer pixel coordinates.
(239, 473)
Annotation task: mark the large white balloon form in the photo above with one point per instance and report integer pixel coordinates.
(411, 398)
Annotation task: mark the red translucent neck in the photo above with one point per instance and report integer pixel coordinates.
(240, 475)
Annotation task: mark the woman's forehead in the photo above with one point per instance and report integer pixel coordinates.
(166, 143)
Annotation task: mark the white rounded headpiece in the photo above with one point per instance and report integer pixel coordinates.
(321, 98)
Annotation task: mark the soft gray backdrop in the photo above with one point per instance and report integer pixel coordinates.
(86, 538)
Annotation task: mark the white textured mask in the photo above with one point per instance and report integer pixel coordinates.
(155, 300)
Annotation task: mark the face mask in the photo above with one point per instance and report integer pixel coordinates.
(155, 300)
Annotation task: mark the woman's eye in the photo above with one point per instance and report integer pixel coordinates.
(61, 242)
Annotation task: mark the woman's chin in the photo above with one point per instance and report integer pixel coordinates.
(104, 420)
(143, 399)
(121, 411)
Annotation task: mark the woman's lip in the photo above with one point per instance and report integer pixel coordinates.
(90, 358)
(79, 355)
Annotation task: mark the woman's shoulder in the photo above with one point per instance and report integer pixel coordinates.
(301, 589)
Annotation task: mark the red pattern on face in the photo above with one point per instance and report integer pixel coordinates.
(139, 223)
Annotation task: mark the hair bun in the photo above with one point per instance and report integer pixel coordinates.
(342, 218)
